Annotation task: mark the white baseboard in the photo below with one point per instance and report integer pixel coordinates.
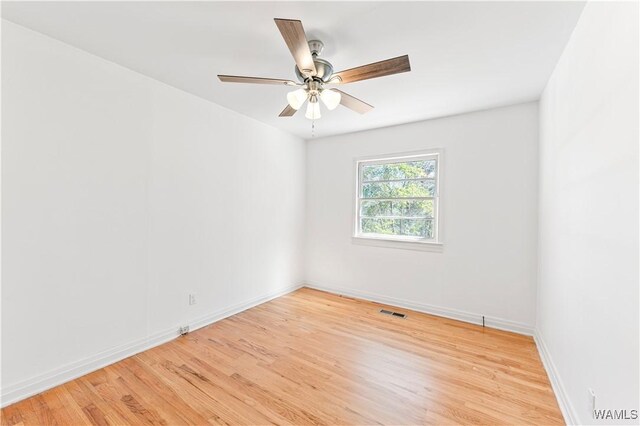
(472, 318)
(568, 412)
(41, 383)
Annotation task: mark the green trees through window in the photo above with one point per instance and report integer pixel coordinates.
(398, 198)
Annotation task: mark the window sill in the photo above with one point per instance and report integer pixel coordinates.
(398, 244)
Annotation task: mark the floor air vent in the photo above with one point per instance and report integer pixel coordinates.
(394, 314)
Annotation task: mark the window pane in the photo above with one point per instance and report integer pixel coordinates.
(404, 208)
(417, 228)
(399, 189)
(399, 171)
(376, 208)
(404, 227)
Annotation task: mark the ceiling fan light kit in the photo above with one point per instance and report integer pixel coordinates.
(311, 91)
(297, 98)
(313, 73)
(313, 109)
(330, 98)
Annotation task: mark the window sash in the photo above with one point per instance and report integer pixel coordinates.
(435, 199)
(397, 199)
(398, 180)
(399, 217)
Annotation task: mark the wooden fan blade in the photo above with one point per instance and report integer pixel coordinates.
(293, 34)
(374, 70)
(288, 112)
(255, 80)
(353, 103)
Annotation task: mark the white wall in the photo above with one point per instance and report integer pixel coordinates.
(488, 199)
(121, 195)
(588, 276)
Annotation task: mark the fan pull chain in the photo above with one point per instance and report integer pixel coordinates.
(313, 128)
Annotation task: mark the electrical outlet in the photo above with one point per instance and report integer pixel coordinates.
(192, 299)
(592, 399)
(184, 330)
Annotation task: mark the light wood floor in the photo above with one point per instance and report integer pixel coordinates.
(313, 358)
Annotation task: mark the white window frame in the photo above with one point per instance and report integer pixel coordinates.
(395, 241)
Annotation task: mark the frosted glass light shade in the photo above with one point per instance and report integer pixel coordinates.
(296, 98)
(331, 98)
(313, 111)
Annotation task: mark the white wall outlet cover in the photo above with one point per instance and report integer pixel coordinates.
(192, 299)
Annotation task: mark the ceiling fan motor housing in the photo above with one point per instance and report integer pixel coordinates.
(324, 69)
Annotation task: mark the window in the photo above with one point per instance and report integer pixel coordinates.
(397, 198)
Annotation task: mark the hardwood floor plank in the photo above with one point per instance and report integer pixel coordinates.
(144, 381)
(311, 357)
(83, 398)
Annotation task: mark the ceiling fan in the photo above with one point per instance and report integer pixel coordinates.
(314, 73)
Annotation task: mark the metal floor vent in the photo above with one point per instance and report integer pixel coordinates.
(395, 314)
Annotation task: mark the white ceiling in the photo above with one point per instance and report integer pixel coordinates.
(464, 56)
